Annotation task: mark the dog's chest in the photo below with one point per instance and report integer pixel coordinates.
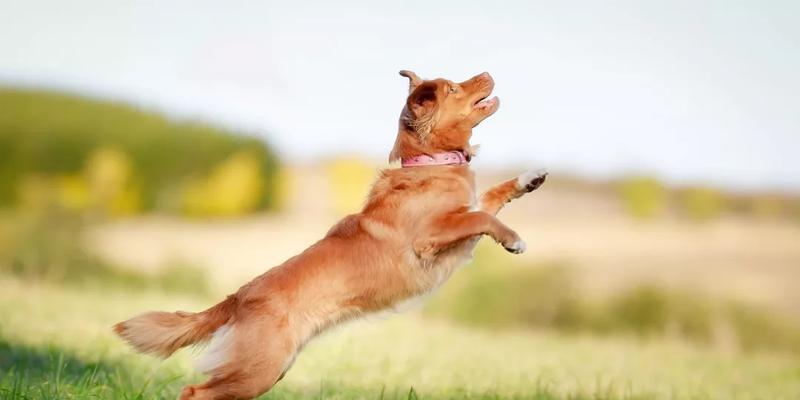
(432, 274)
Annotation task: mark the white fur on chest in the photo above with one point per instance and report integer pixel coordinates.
(434, 274)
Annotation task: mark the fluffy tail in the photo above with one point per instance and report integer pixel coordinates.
(162, 333)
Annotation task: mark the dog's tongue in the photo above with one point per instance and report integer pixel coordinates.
(486, 102)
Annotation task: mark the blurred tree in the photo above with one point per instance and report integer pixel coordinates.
(73, 192)
(702, 204)
(35, 192)
(350, 179)
(233, 188)
(643, 197)
(109, 173)
(54, 135)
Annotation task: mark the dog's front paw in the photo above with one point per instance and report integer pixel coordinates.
(424, 250)
(531, 180)
(516, 247)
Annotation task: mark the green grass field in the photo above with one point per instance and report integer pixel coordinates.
(55, 343)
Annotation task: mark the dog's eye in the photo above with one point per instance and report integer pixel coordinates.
(453, 89)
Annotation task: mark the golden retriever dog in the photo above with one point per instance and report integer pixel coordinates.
(419, 223)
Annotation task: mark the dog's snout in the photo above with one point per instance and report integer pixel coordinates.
(484, 79)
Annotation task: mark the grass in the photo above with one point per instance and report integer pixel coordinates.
(55, 343)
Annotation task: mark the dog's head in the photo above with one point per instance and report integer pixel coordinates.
(439, 114)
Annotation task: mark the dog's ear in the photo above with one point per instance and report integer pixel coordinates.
(420, 110)
(423, 99)
(413, 79)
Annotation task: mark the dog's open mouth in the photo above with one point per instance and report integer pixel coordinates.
(485, 102)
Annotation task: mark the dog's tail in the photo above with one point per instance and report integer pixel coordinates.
(162, 333)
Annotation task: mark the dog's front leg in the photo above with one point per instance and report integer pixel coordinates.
(451, 229)
(495, 198)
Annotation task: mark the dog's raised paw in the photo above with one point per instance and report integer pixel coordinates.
(517, 247)
(531, 180)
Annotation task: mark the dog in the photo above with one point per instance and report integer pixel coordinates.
(418, 225)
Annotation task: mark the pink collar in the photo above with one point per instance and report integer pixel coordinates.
(449, 158)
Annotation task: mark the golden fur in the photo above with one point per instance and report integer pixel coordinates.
(417, 226)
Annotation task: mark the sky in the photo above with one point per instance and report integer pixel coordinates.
(692, 92)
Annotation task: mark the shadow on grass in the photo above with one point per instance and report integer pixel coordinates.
(52, 373)
(27, 372)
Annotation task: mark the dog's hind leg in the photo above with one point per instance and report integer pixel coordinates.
(257, 357)
(495, 198)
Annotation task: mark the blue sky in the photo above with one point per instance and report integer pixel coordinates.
(689, 91)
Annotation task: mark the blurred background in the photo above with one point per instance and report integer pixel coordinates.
(158, 155)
